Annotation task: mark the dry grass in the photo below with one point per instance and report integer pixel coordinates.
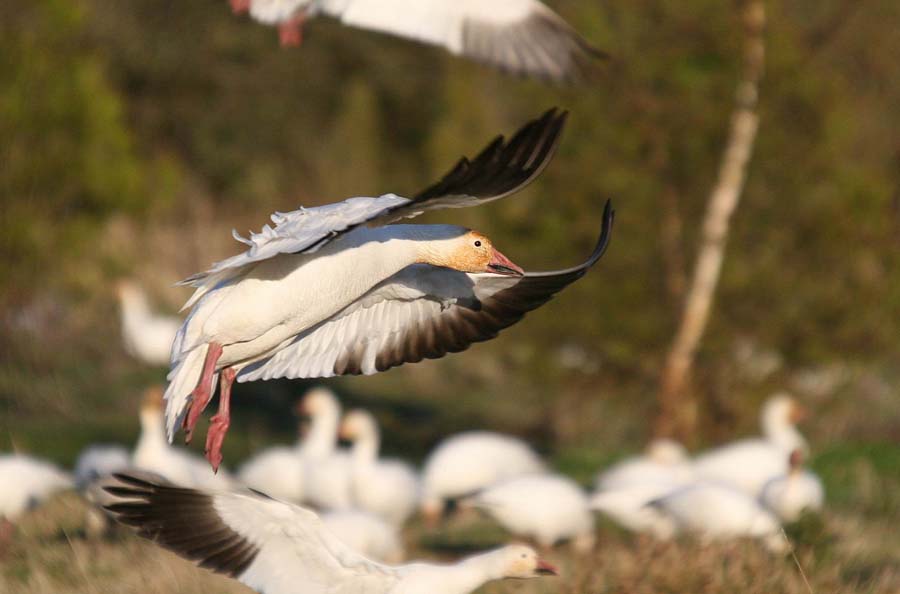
(841, 554)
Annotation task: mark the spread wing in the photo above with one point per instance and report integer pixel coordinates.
(501, 169)
(421, 312)
(271, 546)
(519, 36)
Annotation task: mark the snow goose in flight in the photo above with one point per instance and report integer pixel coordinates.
(520, 36)
(148, 336)
(338, 290)
(366, 533)
(278, 548)
(469, 462)
(749, 463)
(386, 487)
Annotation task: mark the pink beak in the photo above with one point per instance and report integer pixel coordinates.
(500, 264)
(240, 6)
(544, 568)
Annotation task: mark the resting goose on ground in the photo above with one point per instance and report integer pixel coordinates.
(665, 461)
(366, 533)
(279, 548)
(94, 464)
(749, 464)
(24, 483)
(278, 471)
(327, 469)
(549, 508)
(795, 492)
(520, 36)
(388, 488)
(717, 511)
(468, 462)
(153, 453)
(148, 336)
(629, 507)
(338, 290)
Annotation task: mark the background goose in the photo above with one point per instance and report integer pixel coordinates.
(327, 469)
(385, 487)
(278, 548)
(547, 507)
(790, 494)
(720, 512)
(749, 464)
(24, 483)
(665, 461)
(95, 464)
(278, 471)
(147, 336)
(468, 462)
(520, 36)
(629, 507)
(366, 534)
(153, 453)
(336, 290)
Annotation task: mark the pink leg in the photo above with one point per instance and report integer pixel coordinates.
(203, 392)
(221, 421)
(240, 6)
(290, 32)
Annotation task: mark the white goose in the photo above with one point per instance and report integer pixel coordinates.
(520, 36)
(24, 483)
(277, 471)
(665, 461)
(717, 511)
(365, 533)
(629, 507)
(792, 494)
(100, 460)
(547, 507)
(327, 476)
(385, 487)
(153, 453)
(278, 548)
(337, 290)
(148, 336)
(468, 462)
(749, 463)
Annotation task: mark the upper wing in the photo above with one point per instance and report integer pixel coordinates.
(421, 312)
(271, 546)
(501, 169)
(519, 36)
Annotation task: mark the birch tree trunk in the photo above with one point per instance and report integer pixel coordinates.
(677, 415)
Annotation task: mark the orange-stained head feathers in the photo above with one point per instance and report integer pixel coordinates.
(472, 252)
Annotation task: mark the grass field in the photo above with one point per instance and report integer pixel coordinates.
(852, 548)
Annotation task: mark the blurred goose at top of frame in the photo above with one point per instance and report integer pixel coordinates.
(338, 290)
(749, 463)
(386, 487)
(148, 336)
(279, 548)
(468, 462)
(664, 461)
(523, 37)
(549, 508)
(717, 511)
(153, 453)
(795, 492)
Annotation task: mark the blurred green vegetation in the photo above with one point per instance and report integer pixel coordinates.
(134, 135)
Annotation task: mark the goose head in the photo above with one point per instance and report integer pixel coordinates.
(358, 424)
(319, 401)
(779, 416)
(522, 562)
(469, 252)
(666, 451)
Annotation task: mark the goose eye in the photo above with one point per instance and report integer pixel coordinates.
(477, 243)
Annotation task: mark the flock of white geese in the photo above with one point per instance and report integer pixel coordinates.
(247, 523)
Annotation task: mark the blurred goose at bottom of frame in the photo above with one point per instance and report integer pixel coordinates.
(279, 548)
